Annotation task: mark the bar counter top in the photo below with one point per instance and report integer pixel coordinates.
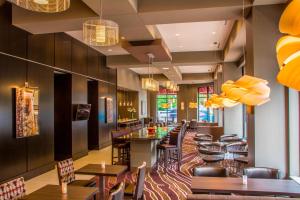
(143, 134)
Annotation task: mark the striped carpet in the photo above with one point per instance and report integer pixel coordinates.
(169, 183)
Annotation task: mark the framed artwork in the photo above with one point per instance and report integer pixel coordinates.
(27, 112)
(109, 118)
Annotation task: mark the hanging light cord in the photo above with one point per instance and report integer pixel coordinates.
(243, 19)
(101, 11)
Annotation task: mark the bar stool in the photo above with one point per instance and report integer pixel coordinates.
(171, 150)
(122, 148)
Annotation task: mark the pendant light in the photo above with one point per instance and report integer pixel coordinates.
(149, 83)
(100, 32)
(46, 6)
(288, 47)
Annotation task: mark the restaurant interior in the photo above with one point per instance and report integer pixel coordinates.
(149, 99)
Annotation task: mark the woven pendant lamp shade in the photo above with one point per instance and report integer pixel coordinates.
(46, 6)
(100, 32)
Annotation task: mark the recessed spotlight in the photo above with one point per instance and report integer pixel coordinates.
(166, 68)
(214, 33)
(180, 46)
(109, 50)
(123, 38)
(177, 34)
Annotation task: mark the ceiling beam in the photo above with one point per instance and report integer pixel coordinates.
(179, 59)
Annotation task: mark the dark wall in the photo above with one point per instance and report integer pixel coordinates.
(52, 52)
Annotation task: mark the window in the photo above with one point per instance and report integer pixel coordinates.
(205, 114)
(166, 107)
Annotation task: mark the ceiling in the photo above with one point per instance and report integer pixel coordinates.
(198, 33)
(195, 36)
(146, 70)
(197, 69)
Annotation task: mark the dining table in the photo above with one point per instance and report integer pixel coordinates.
(54, 192)
(102, 172)
(226, 185)
(143, 145)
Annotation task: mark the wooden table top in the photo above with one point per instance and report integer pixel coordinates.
(96, 169)
(53, 192)
(254, 186)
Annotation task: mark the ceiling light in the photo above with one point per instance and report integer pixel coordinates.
(177, 34)
(100, 32)
(109, 50)
(214, 33)
(123, 38)
(165, 68)
(46, 6)
(180, 46)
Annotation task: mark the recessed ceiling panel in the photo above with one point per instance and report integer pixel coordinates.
(197, 69)
(196, 36)
(146, 70)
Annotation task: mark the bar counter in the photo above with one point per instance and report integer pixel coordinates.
(143, 145)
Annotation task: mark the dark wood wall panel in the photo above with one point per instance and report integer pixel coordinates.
(32, 156)
(12, 39)
(93, 68)
(79, 57)
(41, 48)
(79, 128)
(93, 123)
(63, 51)
(106, 90)
(13, 158)
(63, 116)
(41, 148)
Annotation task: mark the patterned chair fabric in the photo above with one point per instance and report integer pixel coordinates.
(66, 171)
(12, 190)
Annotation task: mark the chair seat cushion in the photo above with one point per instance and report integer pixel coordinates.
(83, 183)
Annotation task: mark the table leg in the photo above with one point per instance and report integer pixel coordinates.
(102, 187)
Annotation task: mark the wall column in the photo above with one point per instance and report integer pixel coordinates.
(266, 125)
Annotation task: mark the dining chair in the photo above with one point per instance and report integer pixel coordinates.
(261, 172)
(135, 191)
(118, 194)
(12, 190)
(210, 171)
(66, 174)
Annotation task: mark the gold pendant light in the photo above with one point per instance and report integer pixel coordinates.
(150, 83)
(100, 32)
(46, 6)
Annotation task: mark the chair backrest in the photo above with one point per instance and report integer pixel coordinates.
(237, 146)
(262, 172)
(231, 197)
(118, 194)
(228, 135)
(66, 171)
(139, 187)
(13, 190)
(210, 171)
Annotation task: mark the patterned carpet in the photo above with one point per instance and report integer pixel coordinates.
(171, 184)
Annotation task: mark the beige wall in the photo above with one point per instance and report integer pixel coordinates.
(233, 117)
(269, 119)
